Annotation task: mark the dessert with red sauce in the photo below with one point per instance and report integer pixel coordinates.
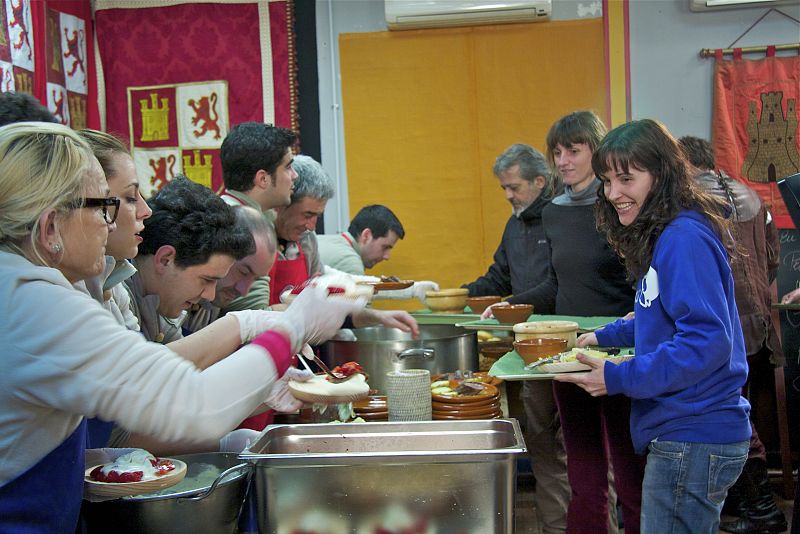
(135, 466)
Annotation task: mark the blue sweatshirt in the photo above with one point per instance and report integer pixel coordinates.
(686, 379)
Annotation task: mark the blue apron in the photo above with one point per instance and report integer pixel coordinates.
(98, 433)
(47, 497)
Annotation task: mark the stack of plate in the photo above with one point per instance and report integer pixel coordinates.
(486, 405)
(373, 408)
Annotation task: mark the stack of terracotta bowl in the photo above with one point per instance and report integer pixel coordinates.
(373, 408)
(485, 405)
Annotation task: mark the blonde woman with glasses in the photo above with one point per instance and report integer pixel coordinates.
(65, 357)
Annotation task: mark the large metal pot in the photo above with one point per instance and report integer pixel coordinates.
(212, 508)
(440, 349)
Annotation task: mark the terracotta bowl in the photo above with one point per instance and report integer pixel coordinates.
(478, 304)
(563, 329)
(512, 313)
(533, 349)
(447, 300)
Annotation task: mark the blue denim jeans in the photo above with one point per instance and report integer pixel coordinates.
(685, 485)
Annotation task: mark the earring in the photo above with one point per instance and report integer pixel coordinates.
(56, 247)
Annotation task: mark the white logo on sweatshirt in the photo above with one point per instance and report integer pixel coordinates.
(649, 290)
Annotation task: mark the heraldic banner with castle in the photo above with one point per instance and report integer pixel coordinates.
(179, 75)
(755, 126)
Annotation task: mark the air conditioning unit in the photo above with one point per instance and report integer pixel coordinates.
(411, 14)
(716, 5)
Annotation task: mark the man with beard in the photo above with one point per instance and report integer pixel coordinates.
(522, 260)
(369, 240)
(242, 274)
(520, 263)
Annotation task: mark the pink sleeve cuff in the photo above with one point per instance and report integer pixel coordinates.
(278, 347)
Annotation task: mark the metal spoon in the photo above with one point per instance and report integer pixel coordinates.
(308, 353)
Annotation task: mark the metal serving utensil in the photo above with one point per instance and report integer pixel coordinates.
(308, 353)
(549, 359)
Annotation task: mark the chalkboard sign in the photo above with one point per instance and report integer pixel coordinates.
(788, 280)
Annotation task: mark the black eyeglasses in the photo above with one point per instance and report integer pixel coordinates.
(110, 206)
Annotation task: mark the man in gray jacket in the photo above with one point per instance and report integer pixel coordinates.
(521, 261)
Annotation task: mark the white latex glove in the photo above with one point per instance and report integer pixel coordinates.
(416, 291)
(422, 287)
(253, 322)
(93, 457)
(280, 399)
(238, 440)
(488, 313)
(313, 317)
(286, 296)
(328, 270)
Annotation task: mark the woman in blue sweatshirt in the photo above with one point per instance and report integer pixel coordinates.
(685, 382)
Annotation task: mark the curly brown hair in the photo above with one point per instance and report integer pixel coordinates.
(646, 145)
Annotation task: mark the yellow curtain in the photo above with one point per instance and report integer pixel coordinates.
(426, 113)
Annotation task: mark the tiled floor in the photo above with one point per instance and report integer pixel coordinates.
(526, 517)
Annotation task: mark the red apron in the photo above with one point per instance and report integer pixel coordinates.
(284, 273)
(347, 238)
(226, 194)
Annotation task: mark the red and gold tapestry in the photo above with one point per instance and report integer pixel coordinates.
(755, 128)
(177, 75)
(17, 58)
(178, 127)
(47, 50)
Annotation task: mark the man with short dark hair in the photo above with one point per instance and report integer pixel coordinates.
(298, 256)
(243, 273)
(372, 235)
(18, 107)
(188, 245)
(257, 168)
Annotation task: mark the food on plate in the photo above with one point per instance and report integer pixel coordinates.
(461, 384)
(319, 390)
(464, 389)
(458, 385)
(135, 466)
(347, 369)
(572, 354)
(567, 362)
